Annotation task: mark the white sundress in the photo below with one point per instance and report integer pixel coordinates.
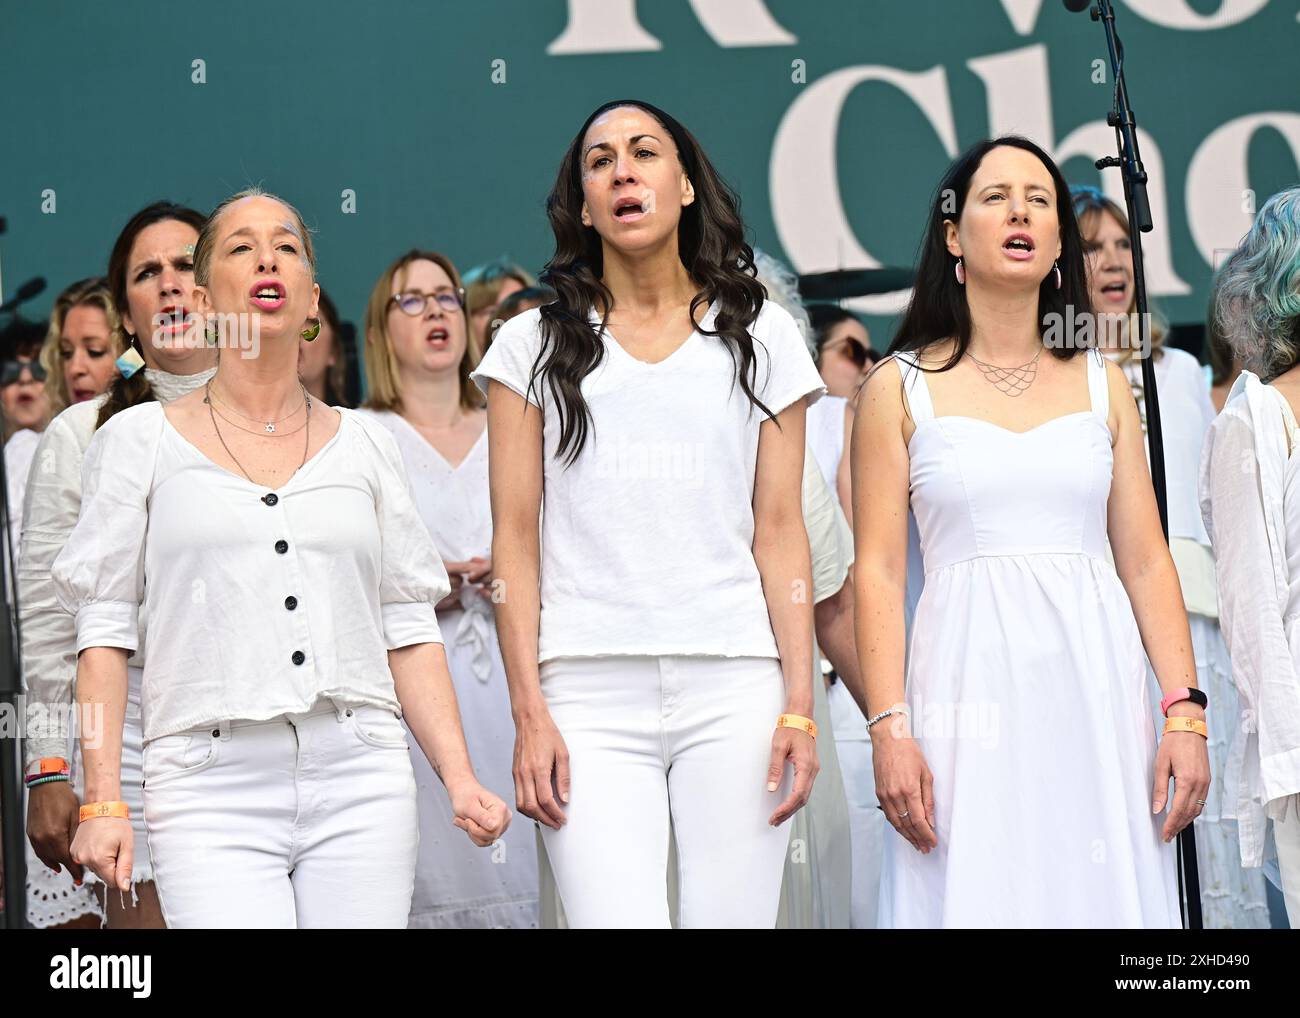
(1027, 682)
(457, 884)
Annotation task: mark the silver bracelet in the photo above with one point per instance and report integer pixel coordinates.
(886, 713)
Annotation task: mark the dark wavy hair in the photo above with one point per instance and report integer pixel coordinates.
(712, 247)
(938, 308)
(127, 392)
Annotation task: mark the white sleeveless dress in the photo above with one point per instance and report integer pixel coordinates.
(1027, 681)
(458, 885)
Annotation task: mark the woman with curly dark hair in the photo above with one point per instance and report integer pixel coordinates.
(657, 632)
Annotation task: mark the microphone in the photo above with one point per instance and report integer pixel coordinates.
(25, 293)
(1077, 6)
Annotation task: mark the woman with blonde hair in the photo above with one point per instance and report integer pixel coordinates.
(83, 343)
(418, 360)
(288, 621)
(1231, 897)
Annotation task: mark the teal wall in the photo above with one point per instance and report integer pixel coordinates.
(397, 102)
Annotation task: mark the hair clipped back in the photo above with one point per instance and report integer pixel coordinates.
(208, 235)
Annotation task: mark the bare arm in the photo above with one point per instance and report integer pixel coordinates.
(428, 699)
(881, 494)
(785, 566)
(515, 475)
(781, 550)
(105, 844)
(834, 619)
(1147, 572)
(880, 506)
(1142, 557)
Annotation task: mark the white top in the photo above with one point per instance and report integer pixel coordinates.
(455, 505)
(1186, 413)
(249, 603)
(826, 435)
(647, 540)
(50, 509)
(1250, 499)
(19, 451)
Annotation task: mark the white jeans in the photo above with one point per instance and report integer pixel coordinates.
(650, 737)
(306, 820)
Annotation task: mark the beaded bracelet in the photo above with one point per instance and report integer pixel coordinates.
(45, 779)
(886, 713)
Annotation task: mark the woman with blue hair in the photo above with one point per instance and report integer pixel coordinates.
(1250, 499)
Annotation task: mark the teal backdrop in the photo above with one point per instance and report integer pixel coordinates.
(439, 124)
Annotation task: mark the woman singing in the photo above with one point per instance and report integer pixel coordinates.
(657, 632)
(1019, 774)
(288, 623)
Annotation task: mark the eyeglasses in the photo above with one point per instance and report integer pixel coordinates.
(13, 371)
(414, 303)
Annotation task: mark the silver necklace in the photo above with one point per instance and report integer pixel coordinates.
(1011, 381)
(207, 392)
(267, 426)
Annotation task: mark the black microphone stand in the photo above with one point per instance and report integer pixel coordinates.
(1139, 217)
(11, 700)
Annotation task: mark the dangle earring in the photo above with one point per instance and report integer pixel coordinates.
(312, 330)
(130, 362)
(960, 270)
(1056, 274)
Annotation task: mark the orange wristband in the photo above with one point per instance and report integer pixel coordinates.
(1181, 724)
(798, 721)
(105, 809)
(48, 765)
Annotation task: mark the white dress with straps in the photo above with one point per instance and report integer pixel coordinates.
(1027, 682)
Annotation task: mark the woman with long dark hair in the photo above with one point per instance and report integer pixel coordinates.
(661, 626)
(150, 279)
(1019, 772)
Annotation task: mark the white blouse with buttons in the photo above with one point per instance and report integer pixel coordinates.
(249, 603)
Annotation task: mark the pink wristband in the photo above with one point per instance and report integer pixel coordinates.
(1178, 695)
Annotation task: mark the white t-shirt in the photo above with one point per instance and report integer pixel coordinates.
(647, 539)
